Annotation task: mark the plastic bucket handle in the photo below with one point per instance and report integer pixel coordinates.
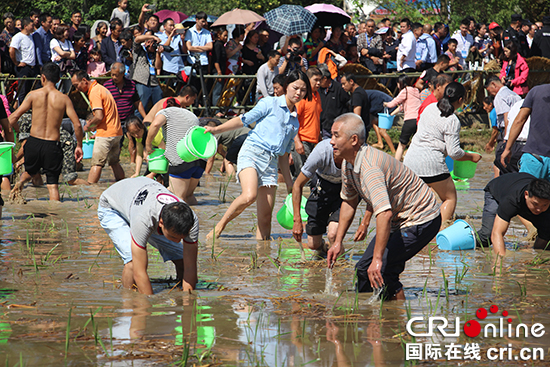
(7, 150)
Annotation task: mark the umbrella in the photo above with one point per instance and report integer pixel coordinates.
(192, 20)
(238, 16)
(290, 19)
(177, 16)
(329, 15)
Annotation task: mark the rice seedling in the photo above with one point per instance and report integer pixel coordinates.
(446, 284)
(277, 264)
(68, 333)
(253, 260)
(522, 289)
(222, 192)
(95, 261)
(49, 254)
(459, 276)
(88, 321)
(336, 302)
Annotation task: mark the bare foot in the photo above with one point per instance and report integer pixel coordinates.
(378, 146)
(191, 200)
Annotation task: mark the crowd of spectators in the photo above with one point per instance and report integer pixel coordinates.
(150, 48)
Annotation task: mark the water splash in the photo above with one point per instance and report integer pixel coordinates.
(375, 298)
(329, 286)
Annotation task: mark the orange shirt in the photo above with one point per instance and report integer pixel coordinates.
(101, 99)
(309, 116)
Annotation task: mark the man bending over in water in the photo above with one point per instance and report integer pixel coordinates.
(43, 149)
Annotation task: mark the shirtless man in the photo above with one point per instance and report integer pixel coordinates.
(8, 132)
(43, 149)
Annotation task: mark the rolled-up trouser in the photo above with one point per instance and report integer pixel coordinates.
(489, 213)
(401, 246)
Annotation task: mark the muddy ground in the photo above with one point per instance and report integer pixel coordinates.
(257, 303)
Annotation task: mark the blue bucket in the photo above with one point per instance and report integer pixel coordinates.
(450, 163)
(385, 120)
(87, 148)
(459, 236)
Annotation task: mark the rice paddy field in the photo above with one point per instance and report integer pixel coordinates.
(258, 303)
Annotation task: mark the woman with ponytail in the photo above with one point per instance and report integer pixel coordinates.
(438, 137)
(409, 99)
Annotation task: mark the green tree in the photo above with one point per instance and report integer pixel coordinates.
(100, 9)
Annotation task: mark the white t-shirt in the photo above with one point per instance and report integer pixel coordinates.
(65, 46)
(464, 44)
(407, 47)
(512, 114)
(24, 47)
(140, 201)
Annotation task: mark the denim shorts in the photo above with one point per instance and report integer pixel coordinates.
(194, 172)
(118, 230)
(264, 162)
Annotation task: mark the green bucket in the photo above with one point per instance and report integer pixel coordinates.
(285, 215)
(5, 158)
(158, 162)
(465, 169)
(197, 145)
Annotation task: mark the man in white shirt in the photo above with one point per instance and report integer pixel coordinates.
(464, 39)
(517, 148)
(265, 75)
(199, 41)
(23, 55)
(407, 48)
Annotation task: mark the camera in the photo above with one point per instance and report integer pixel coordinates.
(294, 56)
(124, 53)
(155, 46)
(508, 82)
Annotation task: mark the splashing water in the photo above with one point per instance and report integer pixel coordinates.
(329, 286)
(375, 298)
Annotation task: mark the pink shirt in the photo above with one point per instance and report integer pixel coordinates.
(409, 98)
(96, 68)
(6, 104)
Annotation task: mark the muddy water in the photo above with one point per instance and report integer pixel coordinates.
(257, 303)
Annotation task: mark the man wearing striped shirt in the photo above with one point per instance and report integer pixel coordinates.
(407, 214)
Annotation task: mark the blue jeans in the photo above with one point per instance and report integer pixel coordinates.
(147, 93)
(119, 231)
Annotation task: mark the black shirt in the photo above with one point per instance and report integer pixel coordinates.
(541, 42)
(251, 55)
(360, 98)
(509, 192)
(219, 56)
(334, 101)
(431, 74)
(3, 114)
(519, 38)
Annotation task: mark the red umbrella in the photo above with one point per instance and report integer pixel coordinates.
(177, 16)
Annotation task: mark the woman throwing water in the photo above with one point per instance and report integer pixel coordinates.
(266, 147)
